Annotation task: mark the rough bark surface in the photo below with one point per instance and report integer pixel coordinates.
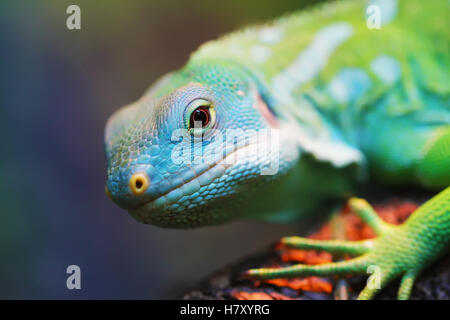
(227, 283)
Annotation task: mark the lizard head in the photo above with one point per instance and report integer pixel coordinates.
(193, 149)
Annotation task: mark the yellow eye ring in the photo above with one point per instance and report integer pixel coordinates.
(139, 183)
(207, 117)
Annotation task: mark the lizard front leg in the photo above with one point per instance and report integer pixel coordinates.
(397, 251)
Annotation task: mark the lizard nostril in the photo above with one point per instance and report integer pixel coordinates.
(139, 183)
(107, 192)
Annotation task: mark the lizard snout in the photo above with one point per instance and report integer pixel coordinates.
(133, 187)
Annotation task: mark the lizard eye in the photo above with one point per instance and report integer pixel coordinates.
(200, 117)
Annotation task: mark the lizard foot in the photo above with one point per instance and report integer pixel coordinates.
(397, 251)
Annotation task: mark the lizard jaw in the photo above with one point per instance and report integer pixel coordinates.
(190, 186)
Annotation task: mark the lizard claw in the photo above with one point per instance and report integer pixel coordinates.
(397, 251)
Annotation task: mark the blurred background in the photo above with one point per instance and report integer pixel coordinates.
(58, 87)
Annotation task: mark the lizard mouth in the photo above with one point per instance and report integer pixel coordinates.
(205, 175)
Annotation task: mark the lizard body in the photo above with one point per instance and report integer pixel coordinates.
(347, 105)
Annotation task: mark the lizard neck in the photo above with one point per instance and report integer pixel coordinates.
(324, 70)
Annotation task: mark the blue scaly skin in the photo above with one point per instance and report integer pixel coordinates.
(320, 105)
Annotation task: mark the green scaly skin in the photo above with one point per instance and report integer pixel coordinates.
(350, 106)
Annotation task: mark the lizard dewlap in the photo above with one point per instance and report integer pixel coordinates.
(274, 121)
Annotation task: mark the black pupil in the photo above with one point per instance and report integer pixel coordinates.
(201, 115)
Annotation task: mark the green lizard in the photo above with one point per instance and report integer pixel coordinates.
(279, 120)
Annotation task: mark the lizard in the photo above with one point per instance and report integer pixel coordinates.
(277, 120)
